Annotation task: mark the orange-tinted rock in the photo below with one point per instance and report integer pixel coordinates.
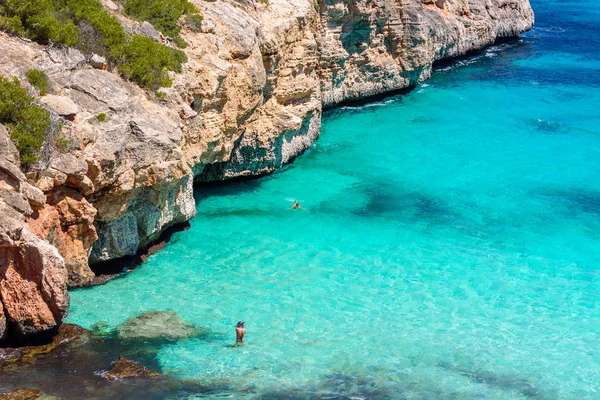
(67, 222)
(125, 368)
(23, 301)
(22, 394)
(33, 292)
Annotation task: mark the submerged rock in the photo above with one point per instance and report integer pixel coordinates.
(125, 368)
(67, 333)
(22, 394)
(156, 325)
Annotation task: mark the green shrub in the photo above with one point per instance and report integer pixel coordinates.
(27, 122)
(101, 117)
(12, 25)
(63, 143)
(147, 62)
(100, 25)
(194, 22)
(39, 80)
(162, 14)
(86, 25)
(39, 21)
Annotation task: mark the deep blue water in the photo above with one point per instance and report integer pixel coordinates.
(449, 248)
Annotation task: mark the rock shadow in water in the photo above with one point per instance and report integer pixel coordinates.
(348, 386)
(575, 199)
(335, 386)
(505, 382)
(384, 199)
(549, 127)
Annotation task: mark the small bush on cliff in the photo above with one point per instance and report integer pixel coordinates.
(27, 122)
(147, 63)
(194, 22)
(39, 80)
(99, 26)
(164, 15)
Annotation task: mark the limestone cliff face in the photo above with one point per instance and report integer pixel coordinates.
(248, 101)
(369, 47)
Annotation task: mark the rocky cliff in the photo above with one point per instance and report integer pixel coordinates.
(248, 101)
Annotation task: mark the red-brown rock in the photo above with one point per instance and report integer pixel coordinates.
(67, 222)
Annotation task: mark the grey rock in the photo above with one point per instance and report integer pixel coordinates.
(8, 151)
(148, 30)
(11, 224)
(187, 112)
(33, 194)
(116, 238)
(164, 325)
(69, 165)
(57, 59)
(98, 61)
(102, 86)
(63, 106)
(2, 322)
(16, 201)
(111, 5)
(11, 169)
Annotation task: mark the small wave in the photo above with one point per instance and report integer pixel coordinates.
(369, 105)
(552, 29)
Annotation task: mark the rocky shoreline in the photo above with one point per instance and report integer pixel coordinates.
(248, 101)
(95, 364)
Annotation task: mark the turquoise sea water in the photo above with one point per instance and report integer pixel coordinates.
(450, 246)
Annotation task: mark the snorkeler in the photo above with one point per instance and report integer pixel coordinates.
(240, 331)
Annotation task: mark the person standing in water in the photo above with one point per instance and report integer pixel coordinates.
(240, 331)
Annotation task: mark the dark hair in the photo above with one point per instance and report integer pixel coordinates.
(240, 324)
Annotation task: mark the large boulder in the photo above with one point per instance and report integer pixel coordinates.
(153, 325)
(63, 106)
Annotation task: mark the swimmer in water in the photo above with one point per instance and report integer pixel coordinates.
(240, 331)
(296, 206)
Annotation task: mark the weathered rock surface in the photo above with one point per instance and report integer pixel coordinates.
(248, 101)
(124, 369)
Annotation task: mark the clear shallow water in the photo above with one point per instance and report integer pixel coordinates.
(449, 248)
